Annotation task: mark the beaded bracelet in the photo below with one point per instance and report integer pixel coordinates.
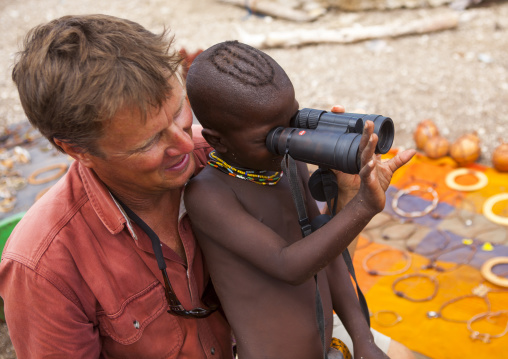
(414, 214)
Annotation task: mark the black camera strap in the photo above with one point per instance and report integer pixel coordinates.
(329, 188)
(289, 169)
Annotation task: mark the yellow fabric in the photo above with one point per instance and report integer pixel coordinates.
(435, 337)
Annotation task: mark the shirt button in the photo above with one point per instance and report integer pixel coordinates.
(212, 351)
(136, 324)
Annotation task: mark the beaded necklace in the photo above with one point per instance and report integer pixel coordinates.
(261, 177)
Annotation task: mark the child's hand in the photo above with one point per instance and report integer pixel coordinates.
(375, 174)
(348, 184)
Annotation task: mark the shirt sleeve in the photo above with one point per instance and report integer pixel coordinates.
(42, 321)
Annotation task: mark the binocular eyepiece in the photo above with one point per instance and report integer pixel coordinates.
(329, 140)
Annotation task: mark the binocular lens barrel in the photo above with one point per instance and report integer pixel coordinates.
(322, 148)
(329, 140)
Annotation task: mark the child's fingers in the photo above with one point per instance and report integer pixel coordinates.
(367, 170)
(338, 109)
(401, 159)
(368, 129)
(368, 151)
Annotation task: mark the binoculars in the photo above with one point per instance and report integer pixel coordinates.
(329, 140)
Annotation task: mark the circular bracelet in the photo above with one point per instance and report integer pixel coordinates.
(412, 230)
(62, 167)
(489, 204)
(486, 271)
(8, 204)
(485, 337)
(439, 314)
(414, 214)
(432, 261)
(406, 255)
(397, 317)
(398, 293)
(468, 222)
(450, 180)
(444, 244)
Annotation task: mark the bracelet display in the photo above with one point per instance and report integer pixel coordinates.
(413, 214)
(450, 180)
(401, 294)
(486, 271)
(489, 204)
(486, 337)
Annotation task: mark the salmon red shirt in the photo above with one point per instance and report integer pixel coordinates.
(79, 280)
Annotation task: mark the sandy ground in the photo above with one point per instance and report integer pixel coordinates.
(458, 78)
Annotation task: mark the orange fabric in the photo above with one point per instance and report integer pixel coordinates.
(437, 338)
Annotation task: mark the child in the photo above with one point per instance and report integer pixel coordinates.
(261, 267)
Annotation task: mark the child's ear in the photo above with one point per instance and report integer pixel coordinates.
(214, 138)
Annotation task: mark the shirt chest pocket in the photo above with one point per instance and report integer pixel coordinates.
(142, 313)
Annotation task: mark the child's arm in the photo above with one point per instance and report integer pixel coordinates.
(218, 216)
(346, 305)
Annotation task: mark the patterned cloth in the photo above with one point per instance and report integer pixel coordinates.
(338, 345)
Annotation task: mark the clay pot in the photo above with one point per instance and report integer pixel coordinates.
(426, 129)
(436, 147)
(500, 157)
(466, 149)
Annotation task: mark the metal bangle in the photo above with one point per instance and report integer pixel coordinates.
(407, 256)
(432, 261)
(432, 314)
(485, 337)
(397, 317)
(398, 293)
(414, 214)
(443, 246)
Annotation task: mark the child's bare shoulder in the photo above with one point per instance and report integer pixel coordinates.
(208, 185)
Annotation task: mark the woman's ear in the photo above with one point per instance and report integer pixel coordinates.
(214, 138)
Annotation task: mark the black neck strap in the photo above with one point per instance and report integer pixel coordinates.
(154, 238)
(289, 167)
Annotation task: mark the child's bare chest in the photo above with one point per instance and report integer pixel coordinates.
(273, 206)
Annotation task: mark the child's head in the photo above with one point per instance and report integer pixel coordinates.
(239, 93)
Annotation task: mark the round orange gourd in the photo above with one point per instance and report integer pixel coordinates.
(426, 129)
(436, 147)
(466, 149)
(500, 157)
